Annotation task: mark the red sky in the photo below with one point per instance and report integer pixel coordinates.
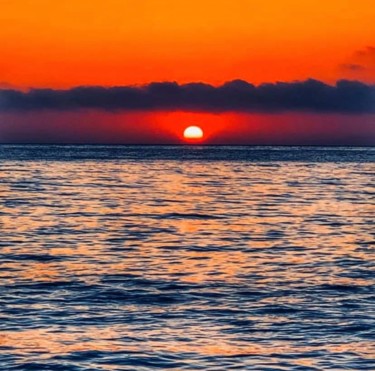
(67, 43)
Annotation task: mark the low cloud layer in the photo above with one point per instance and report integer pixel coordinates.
(351, 97)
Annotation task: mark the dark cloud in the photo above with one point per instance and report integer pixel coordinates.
(238, 96)
(353, 67)
(368, 52)
(7, 85)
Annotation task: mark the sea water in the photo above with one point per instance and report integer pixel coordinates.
(186, 258)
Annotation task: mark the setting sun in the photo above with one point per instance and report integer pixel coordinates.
(193, 132)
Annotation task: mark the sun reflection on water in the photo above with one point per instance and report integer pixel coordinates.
(243, 260)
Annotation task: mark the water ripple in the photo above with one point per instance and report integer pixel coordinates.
(177, 258)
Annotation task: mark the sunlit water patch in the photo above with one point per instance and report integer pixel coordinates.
(186, 258)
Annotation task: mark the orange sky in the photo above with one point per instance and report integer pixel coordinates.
(64, 43)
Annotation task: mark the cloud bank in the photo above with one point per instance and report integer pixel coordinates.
(351, 97)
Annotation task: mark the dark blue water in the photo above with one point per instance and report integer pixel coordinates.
(186, 258)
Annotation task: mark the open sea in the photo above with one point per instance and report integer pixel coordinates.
(186, 258)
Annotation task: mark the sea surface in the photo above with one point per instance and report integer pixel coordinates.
(186, 258)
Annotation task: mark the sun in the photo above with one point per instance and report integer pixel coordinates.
(193, 133)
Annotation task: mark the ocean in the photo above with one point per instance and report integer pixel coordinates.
(186, 258)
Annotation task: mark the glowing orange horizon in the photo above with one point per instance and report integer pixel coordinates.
(168, 128)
